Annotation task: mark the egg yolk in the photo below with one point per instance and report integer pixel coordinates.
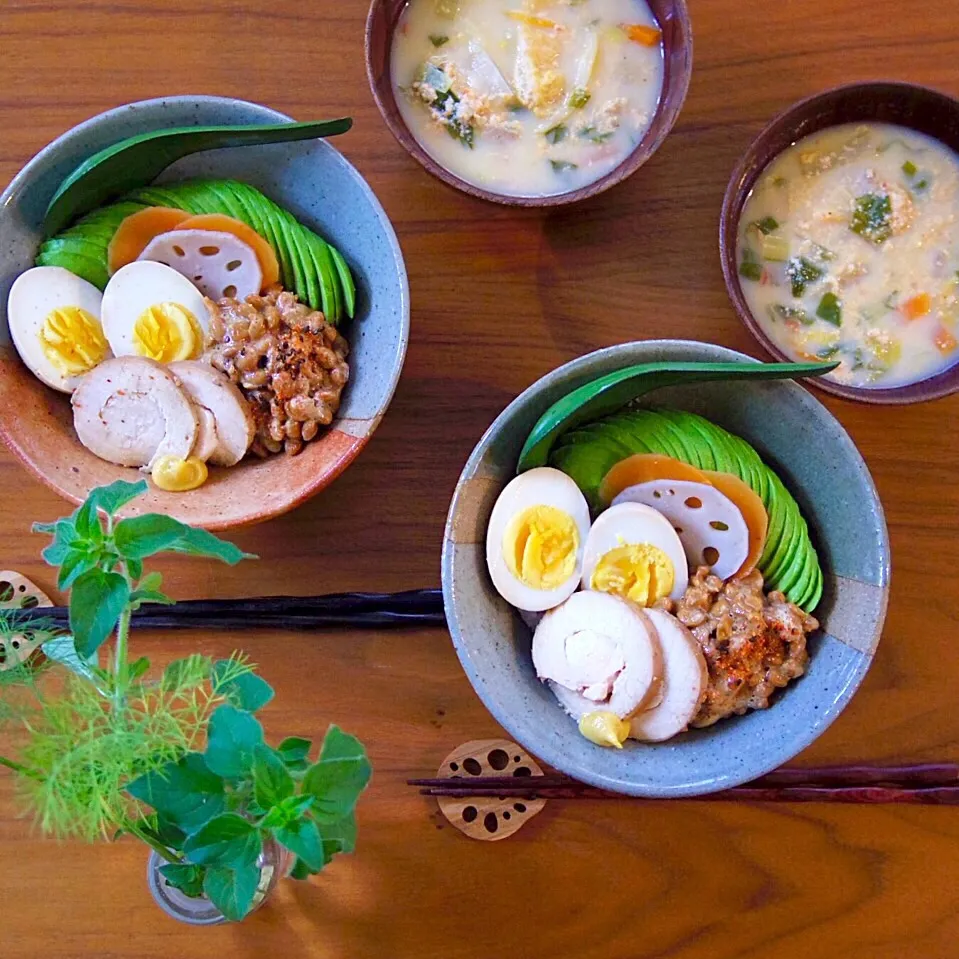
(604, 728)
(167, 332)
(72, 340)
(639, 572)
(176, 475)
(540, 546)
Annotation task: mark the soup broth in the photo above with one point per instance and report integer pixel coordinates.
(530, 98)
(848, 249)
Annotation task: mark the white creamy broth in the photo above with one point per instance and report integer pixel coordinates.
(528, 97)
(849, 250)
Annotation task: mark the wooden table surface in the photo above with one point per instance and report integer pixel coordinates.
(500, 298)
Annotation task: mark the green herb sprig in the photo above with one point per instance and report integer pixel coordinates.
(180, 761)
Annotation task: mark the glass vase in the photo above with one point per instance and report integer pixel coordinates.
(274, 863)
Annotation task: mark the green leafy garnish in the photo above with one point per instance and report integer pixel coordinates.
(872, 217)
(830, 309)
(562, 166)
(557, 133)
(801, 272)
(910, 168)
(579, 98)
(750, 267)
(438, 81)
(438, 39)
(109, 752)
(767, 225)
(779, 311)
(589, 132)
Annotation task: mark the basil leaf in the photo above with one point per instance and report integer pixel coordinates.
(186, 792)
(231, 742)
(339, 836)
(65, 539)
(198, 542)
(338, 778)
(96, 602)
(73, 565)
(185, 877)
(115, 496)
(232, 890)
(86, 521)
(303, 839)
(142, 536)
(295, 752)
(272, 783)
(227, 840)
(301, 870)
(246, 691)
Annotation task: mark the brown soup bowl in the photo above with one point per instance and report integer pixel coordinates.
(903, 104)
(673, 19)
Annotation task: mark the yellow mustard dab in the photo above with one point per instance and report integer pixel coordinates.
(72, 340)
(604, 728)
(167, 332)
(639, 572)
(540, 546)
(177, 475)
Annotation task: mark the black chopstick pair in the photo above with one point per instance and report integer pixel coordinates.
(420, 607)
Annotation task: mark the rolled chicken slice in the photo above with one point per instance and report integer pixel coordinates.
(206, 438)
(211, 390)
(131, 411)
(218, 264)
(684, 681)
(598, 652)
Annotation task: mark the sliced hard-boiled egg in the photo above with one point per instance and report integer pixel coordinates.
(54, 320)
(710, 527)
(684, 682)
(218, 264)
(599, 653)
(151, 310)
(634, 552)
(535, 539)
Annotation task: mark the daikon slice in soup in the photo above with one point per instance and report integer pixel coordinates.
(848, 249)
(528, 97)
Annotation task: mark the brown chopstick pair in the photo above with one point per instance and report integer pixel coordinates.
(930, 783)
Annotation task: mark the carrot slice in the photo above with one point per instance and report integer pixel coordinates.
(749, 503)
(137, 230)
(644, 468)
(916, 307)
(640, 33)
(227, 224)
(944, 340)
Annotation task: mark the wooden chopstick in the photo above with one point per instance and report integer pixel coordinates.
(421, 607)
(931, 783)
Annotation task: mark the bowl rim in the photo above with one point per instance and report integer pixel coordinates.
(630, 164)
(321, 480)
(805, 735)
(941, 384)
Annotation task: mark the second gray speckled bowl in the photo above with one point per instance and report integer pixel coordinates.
(796, 436)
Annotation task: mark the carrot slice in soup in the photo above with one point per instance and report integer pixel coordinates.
(137, 230)
(916, 307)
(749, 503)
(227, 224)
(644, 468)
(945, 342)
(640, 33)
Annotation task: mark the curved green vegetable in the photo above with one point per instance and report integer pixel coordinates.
(309, 266)
(612, 392)
(142, 158)
(789, 561)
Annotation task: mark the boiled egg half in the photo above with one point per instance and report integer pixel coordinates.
(632, 551)
(151, 310)
(54, 320)
(536, 538)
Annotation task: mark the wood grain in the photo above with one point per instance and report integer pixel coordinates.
(501, 297)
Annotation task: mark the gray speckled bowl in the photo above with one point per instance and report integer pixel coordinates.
(798, 437)
(314, 182)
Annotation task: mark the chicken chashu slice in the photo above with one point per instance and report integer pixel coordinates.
(130, 411)
(215, 394)
(598, 652)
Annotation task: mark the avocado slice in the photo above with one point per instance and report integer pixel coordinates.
(93, 271)
(347, 285)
